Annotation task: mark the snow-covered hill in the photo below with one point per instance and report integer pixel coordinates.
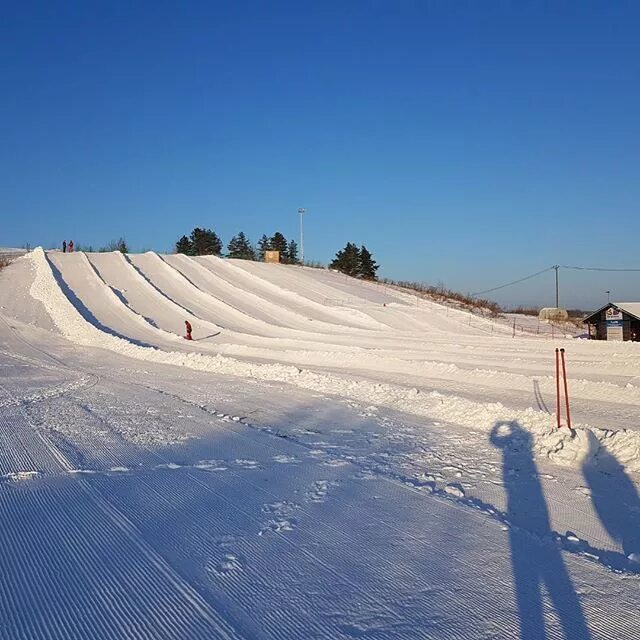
(327, 458)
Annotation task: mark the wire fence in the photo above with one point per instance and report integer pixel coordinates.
(478, 318)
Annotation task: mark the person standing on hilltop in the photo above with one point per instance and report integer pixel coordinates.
(188, 329)
(70, 246)
(64, 246)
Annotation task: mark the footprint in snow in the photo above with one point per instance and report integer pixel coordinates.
(319, 490)
(336, 463)
(585, 491)
(168, 465)
(247, 463)
(364, 475)
(317, 453)
(224, 542)
(211, 465)
(280, 509)
(231, 563)
(279, 525)
(284, 459)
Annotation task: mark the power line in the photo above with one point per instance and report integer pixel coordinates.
(595, 268)
(502, 286)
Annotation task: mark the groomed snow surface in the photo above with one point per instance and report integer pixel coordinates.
(327, 458)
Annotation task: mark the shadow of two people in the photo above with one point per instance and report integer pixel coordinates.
(536, 558)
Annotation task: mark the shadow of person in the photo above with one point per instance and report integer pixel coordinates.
(616, 501)
(537, 561)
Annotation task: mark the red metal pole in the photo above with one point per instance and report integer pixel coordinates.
(566, 392)
(558, 409)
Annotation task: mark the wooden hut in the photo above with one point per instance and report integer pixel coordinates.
(615, 321)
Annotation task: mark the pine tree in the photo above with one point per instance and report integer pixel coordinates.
(184, 246)
(279, 243)
(264, 244)
(292, 253)
(240, 247)
(205, 242)
(347, 260)
(122, 246)
(368, 265)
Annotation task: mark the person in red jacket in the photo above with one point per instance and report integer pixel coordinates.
(70, 245)
(188, 329)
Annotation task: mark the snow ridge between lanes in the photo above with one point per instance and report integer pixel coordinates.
(558, 445)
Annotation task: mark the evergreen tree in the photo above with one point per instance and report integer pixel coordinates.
(240, 247)
(205, 242)
(184, 246)
(292, 253)
(264, 244)
(279, 243)
(347, 260)
(122, 246)
(368, 265)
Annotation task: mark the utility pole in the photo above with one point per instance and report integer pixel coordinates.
(301, 211)
(556, 267)
(608, 296)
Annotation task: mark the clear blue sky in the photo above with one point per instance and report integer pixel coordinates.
(467, 143)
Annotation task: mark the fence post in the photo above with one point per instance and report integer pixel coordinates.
(558, 408)
(514, 328)
(566, 392)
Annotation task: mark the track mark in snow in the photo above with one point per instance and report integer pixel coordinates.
(21, 476)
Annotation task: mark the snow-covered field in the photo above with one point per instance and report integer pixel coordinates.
(327, 459)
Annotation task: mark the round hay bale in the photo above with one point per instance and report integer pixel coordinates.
(553, 314)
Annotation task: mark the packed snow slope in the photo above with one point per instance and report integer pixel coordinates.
(320, 330)
(328, 458)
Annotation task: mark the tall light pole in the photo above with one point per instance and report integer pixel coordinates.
(608, 296)
(301, 211)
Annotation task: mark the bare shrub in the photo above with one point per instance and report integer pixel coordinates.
(440, 293)
(525, 311)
